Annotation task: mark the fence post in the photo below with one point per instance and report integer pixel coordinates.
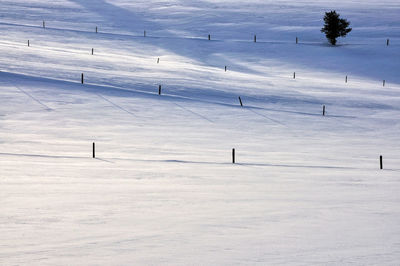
(159, 89)
(225, 68)
(82, 78)
(158, 60)
(144, 34)
(92, 51)
(209, 37)
(233, 155)
(96, 29)
(28, 43)
(93, 151)
(255, 38)
(387, 42)
(323, 110)
(294, 75)
(381, 161)
(384, 82)
(240, 100)
(297, 40)
(346, 79)
(44, 25)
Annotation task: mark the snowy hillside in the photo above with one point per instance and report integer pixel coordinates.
(305, 189)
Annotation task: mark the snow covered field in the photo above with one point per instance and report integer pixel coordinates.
(305, 189)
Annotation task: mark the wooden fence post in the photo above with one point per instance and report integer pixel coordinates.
(209, 37)
(28, 43)
(255, 38)
(96, 29)
(92, 51)
(346, 79)
(294, 75)
(44, 25)
(225, 68)
(233, 155)
(387, 42)
(384, 82)
(82, 78)
(381, 161)
(144, 34)
(93, 151)
(240, 100)
(323, 110)
(158, 60)
(159, 89)
(297, 40)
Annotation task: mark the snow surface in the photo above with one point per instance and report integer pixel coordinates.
(306, 188)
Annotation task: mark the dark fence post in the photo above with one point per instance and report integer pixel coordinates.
(225, 68)
(297, 40)
(387, 42)
(233, 155)
(96, 29)
(93, 151)
(92, 51)
(255, 38)
(323, 110)
(346, 79)
(144, 34)
(159, 89)
(82, 78)
(294, 75)
(209, 37)
(44, 25)
(384, 82)
(381, 161)
(28, 43)
(240, 100)
(158, 60)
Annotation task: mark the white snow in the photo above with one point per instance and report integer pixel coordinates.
(306, 188)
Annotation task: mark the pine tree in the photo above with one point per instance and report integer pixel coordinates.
(335, 27)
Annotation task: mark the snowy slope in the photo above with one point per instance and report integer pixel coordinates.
(306, 188)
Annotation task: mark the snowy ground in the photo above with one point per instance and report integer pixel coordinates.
(306, 189)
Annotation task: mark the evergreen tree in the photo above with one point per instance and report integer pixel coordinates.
(335, 27)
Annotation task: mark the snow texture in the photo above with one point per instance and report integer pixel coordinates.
(306, 189)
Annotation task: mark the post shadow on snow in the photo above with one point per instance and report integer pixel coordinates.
(116, 105)
(218, 97)
(111, 160)
(339, 59)
(122, 18)
(184, 46)
(102, 91)
(78, 32)
(42, 155)
(47, 156)
(250, 164)
(34, 98)
(221, 98)
(195, 113)
(103, 160)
